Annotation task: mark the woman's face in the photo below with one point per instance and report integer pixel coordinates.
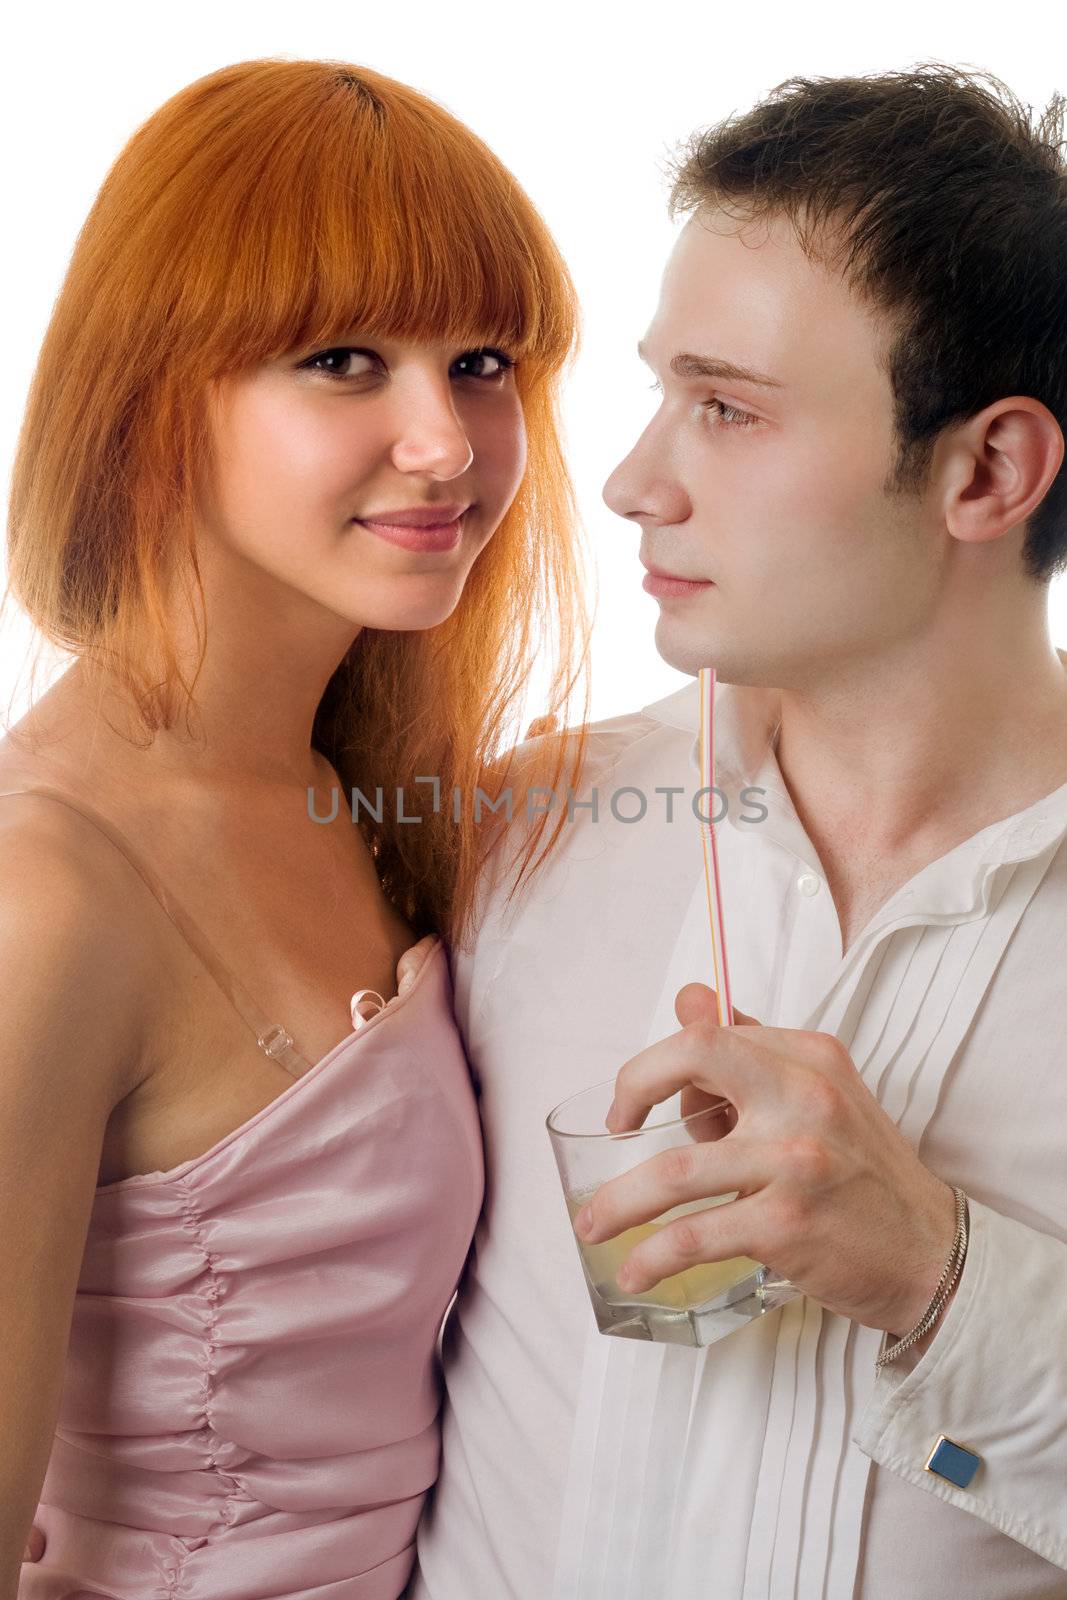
(331, 461)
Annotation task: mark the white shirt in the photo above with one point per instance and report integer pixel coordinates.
(774, 1465)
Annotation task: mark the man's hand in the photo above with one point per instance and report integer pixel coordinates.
(830, 1192)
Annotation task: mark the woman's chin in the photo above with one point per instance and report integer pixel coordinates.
(409, 613)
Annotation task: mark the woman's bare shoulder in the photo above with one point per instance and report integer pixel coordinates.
(72, 940)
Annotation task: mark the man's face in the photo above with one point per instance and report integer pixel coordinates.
(773, 490)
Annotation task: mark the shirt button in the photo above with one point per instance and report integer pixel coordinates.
(808, 883)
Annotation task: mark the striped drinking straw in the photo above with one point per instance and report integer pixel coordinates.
(711, 855)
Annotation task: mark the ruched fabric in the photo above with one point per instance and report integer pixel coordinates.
(250, 1406)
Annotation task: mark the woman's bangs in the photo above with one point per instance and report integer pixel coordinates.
(419, 239)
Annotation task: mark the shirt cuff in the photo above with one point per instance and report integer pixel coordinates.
(993, 1381)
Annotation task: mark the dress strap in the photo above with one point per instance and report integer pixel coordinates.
(271, 1037)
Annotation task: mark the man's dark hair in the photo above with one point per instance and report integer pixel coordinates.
(944, 202)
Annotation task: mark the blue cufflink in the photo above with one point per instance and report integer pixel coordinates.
(953, 1462)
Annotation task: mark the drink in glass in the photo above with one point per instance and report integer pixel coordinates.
(693, 1307)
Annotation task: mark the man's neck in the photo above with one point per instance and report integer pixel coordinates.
(890, 773)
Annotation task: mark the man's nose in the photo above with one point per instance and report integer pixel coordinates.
(643, 487)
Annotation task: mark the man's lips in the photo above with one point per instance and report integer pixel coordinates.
(666, 584)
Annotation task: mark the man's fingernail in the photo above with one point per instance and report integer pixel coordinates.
(583, 1221)
(625, 1277)
(609, 1120)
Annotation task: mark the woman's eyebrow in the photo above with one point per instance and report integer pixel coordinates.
(687, 365)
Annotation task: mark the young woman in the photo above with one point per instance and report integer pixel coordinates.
(290, 490)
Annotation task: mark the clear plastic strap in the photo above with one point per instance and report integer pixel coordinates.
(271, 1037)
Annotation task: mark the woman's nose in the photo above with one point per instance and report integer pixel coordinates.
(431, 437)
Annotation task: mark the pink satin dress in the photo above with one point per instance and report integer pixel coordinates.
(250, 1405)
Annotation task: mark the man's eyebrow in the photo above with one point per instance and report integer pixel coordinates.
(686, 365)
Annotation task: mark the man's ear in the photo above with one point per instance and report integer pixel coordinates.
(997, 466)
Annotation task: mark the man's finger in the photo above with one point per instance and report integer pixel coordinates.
(718, 1233)
(34, 1545)
(726, 1063)
(674, 1177)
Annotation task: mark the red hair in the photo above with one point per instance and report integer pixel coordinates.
(271, 205)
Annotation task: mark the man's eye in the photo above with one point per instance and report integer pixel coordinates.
(726, 415)
(730, 416)
(490, 364)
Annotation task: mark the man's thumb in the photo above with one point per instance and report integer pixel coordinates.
(696, 1002)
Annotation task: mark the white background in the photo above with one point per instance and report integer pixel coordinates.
(582, 102)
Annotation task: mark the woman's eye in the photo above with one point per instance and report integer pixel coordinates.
(342, 362)
(347, 361)
(486, 363)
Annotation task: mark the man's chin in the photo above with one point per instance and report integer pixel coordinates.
(687, 652)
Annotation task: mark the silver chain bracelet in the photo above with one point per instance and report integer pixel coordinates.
(945, 1286)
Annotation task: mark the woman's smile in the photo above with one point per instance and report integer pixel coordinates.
(422, 528)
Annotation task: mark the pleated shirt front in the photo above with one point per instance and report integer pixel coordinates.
(774, 1465)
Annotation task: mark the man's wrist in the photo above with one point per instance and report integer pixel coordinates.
(925, 1340)
(918, 1337)
(923, 1282)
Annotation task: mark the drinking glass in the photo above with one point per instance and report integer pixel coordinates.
(694, 1307)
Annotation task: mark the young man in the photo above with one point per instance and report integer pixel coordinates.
(856, 470)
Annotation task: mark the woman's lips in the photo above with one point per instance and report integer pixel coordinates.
(437, 536)
(664, 588)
